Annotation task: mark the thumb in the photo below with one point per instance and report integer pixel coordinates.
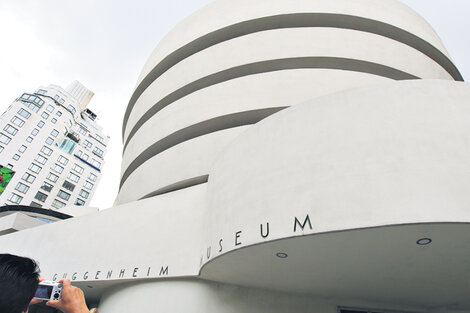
(53, 303)
(35, 301)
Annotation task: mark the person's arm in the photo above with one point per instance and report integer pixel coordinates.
(72, 301)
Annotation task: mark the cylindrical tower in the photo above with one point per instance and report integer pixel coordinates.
(235, 63)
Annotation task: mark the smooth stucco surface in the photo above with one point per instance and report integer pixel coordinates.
(200, 73)
(291, 169)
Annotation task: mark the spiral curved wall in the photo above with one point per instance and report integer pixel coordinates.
(235, 63)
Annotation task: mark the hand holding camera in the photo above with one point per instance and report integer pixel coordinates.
(48, 290)
(62, 296)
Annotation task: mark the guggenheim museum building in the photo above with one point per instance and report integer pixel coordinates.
(308, 156)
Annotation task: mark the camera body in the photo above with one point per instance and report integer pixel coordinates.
(49, 290)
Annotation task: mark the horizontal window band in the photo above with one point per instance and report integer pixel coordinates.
(293, 20)
(191, 182)
(200, 129)
(270, 66)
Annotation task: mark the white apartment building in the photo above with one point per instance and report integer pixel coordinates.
(54, 146)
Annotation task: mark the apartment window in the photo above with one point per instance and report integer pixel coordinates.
(46, 150)
(10, 129)
(88, 185)
(1, 148)
(59, 113)
(56, 97)
(98, 151)
(57, 204)
(67, 145)
(41, 92)
(82, 130)
(41, 124)
(87, 144)
(79, 153)
(63, 160)
(24, 113)
(45, 115)
(22, 148)
(52, 177)
(71, 109)
(40, 196)
(57, 168)
(15, 198)
(49, 140)
(99, 138)
(17, 121)
(63, 195)
(46, 186)
(84, 194)
(34, 132)
(41, 159)
(35, 168)
(16, 157)
(95, 163)
(10, 166)
(68, 185)
(22, 188)
(32, 106)
(54, 132)
(61, 101)
(92, 177)
(50, 108)
(85, 157)
(73, 177)
(29, 139)
(35, 205)
(79, 202)
(28, 177)
(77, 168)
(4, 139)
(54, 121)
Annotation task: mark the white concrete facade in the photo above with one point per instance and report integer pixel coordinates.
(283, 156)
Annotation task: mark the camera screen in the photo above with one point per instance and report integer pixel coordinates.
(44, 292)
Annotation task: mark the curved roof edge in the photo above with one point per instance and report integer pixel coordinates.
(34, 211)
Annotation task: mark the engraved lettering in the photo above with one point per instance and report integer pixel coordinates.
(307, 220)
(237, 235)
(267, 230)
(164, 271)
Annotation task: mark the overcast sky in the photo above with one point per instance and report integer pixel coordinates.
(105, 43)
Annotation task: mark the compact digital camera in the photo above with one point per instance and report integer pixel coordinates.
(49, 290)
